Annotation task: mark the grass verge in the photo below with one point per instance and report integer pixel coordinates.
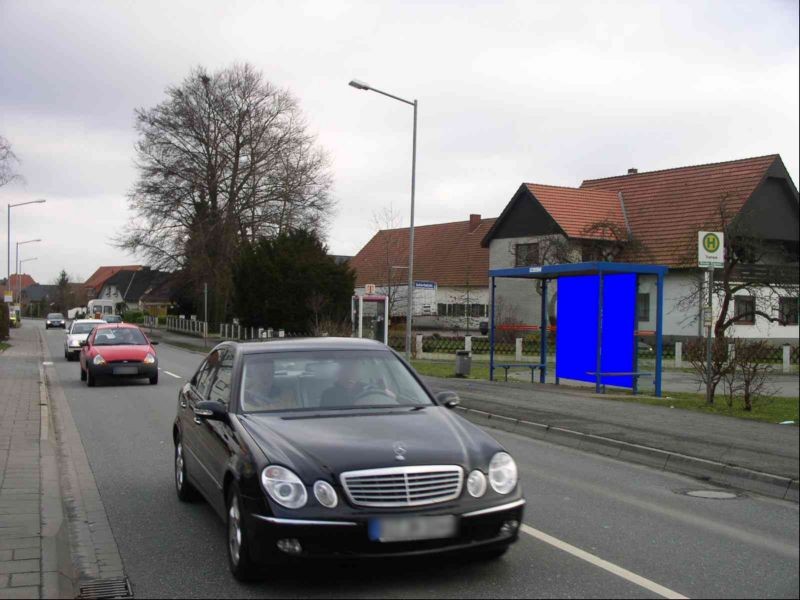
(775, 409)
(4, 346)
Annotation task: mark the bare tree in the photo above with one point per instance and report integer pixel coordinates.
(753, 373)
(384, 221)
(226, 158)
(8, 163)
(722, 365)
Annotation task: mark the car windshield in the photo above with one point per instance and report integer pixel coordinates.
(328, 380)
(83, 327)
(113, 319)
(55, 316)
(120, 337)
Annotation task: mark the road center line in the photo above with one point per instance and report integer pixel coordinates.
(603, 564)
(173, 374)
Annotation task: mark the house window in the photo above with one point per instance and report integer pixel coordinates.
(526, 255)
(744, 308)
(788, 311)
(441, 308)
(643, 307)
(590, 252)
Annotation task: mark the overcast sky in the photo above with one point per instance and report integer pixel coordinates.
(509, 92)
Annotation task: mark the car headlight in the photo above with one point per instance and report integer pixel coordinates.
(476, 484)
(502, 473)
(99, 360)
(284, 487)
(325, 494)
(149, 359)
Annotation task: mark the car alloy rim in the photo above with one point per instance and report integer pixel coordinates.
(234, 530)
(179, 465)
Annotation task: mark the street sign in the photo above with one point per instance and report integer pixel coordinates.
(8, 297)
(710, 249)
(425, 285)
(708, 316)
(369, 288)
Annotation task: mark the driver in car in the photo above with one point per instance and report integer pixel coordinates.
(346, 388)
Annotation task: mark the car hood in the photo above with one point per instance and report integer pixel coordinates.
(332, 442)
(112, 353)
(77, 337)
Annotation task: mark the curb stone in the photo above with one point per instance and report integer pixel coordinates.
(58, 577)
(715, 472)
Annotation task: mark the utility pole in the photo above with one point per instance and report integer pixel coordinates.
(205, 314)
(708, 316)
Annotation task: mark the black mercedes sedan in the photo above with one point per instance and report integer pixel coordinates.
(334, 448)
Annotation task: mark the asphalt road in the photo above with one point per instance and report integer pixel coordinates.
(582, 510)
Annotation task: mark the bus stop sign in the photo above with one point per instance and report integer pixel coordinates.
(710, 249)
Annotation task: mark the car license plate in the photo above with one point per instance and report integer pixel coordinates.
(406, 529)
(126, 370)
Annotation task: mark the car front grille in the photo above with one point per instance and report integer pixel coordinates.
(403, 486)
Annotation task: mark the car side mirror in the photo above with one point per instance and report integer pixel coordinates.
(211, 411)
(153, 343)
(448, 399)
(84, 343)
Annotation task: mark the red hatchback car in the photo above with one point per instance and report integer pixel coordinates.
(118, 350)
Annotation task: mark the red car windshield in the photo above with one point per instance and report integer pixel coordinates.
(120, 337)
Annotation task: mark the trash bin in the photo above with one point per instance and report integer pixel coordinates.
(463, 363)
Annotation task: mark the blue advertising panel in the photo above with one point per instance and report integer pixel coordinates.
(576, 331)
(576, 327)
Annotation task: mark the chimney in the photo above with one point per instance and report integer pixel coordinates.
(632, 171)
(474, 222)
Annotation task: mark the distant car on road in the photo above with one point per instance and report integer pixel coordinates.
(112, 318)
(55, 320)
(78, 331)
(118, 350)
(333, 448)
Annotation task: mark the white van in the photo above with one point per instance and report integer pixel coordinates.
(98, 308)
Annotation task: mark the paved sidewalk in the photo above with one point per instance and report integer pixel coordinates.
(20, 467)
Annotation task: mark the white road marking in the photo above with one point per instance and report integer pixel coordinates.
(173, 374)
(603, 564)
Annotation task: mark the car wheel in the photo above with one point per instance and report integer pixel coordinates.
(154, 379)
(66, 354)
(186, 491)
(83, 374)
(239, 560)
(91, 380)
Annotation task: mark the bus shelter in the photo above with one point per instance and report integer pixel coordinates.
(596, 327)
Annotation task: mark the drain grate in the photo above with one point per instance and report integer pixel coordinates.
(119, 587)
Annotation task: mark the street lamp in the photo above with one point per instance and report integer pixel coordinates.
(8, 249)
(360, 85)
(18, 265)
(19, 281)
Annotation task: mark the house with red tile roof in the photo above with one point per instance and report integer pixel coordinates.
(95, 283)
(17, 283)
(451, 288)
(650, 217)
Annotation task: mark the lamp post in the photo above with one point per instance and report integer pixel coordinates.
(360, 85)
(18, 265)
(19, 284)
(8, 248)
